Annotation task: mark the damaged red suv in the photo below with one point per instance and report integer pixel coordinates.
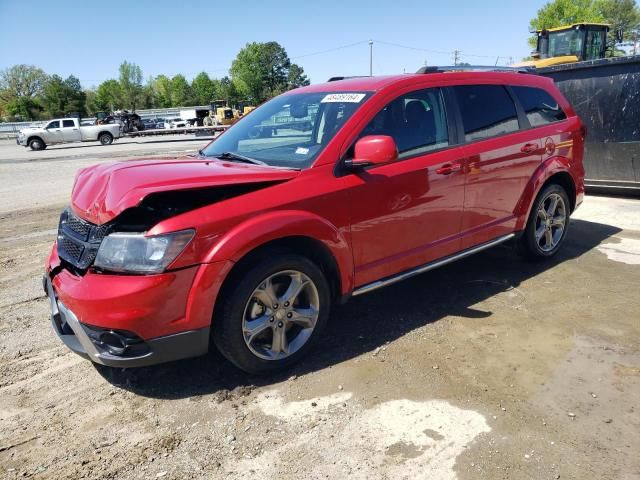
(322, 193)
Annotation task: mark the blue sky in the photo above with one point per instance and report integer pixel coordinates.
(91, 38)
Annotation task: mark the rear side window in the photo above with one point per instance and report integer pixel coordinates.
(67, 123)
(487, 111)
(539, 106)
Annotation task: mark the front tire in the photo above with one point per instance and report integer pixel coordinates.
(36, 144)
(271, 314)
(105, 139)
(547, 224)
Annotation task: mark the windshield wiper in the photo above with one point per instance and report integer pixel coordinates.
(238, 157)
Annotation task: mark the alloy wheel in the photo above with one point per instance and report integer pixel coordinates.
(280, 315)
(550, 222)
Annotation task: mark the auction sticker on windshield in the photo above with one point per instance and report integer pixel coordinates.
(343, 97)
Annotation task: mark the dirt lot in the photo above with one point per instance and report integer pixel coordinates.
(487, 368)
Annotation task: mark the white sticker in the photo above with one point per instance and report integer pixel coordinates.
(302, 151)
(343, 97)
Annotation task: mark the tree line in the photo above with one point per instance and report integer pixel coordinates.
(259, 72)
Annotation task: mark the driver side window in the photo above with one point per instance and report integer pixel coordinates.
(417, 122)
(54, 124)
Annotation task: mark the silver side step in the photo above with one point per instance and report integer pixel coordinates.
(429, 266)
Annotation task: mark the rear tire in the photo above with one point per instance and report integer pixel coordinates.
(261, 324)
(36, 144)
(105, 138)
(547, 224)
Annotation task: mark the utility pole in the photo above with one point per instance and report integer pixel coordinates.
(371, 58)
(456, 57)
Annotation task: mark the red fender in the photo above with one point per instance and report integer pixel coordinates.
(545, 170)
(254, 232)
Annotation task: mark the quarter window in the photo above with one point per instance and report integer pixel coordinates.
(416, 121)
(487, 111)
(539, 106)
(67, 123)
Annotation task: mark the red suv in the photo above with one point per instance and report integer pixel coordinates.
(323, 193)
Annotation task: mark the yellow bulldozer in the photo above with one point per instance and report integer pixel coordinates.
(225, 115)
(573, 43)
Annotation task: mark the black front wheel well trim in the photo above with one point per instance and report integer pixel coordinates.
(308, 247)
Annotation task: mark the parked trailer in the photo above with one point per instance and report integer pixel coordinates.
(212, 130)
(606, 95)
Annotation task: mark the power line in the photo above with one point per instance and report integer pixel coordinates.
(330, 50)
(412, 48)
(439, 52)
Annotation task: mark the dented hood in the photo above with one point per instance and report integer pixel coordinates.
(101, 192)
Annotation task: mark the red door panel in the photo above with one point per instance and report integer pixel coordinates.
(497, 173)
(406, 214)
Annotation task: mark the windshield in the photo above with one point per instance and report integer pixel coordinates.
(568, 42)
(290, 130)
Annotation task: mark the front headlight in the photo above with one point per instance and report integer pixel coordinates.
(136, 253)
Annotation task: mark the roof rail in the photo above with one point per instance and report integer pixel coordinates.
(475, 68)
(335, 79)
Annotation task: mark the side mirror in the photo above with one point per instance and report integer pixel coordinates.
(373, 150)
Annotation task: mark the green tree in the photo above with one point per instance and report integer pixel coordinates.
(20, 87)
(261, 71)
(228, 92)
(90, 102)
(621, 15)
(162, 91)
(180, 92)
(60, 97)
(296, 77)
(147, 96)
(130, 80)
(204, 89)
(23, 108)
(108, 97)
(618, 13)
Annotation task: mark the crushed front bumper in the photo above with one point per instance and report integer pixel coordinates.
(117, 348)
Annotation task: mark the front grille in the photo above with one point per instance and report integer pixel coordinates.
(70, 248)
(78, 226)
(79, 240)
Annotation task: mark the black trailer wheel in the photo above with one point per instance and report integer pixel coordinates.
(105, 138)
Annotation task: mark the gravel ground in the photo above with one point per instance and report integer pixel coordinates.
(488, 368)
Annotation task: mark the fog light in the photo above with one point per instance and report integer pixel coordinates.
(114, 343)
(119, 343)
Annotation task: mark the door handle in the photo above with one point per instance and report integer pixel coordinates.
(449, 168)
(75, 129)
(529, 148)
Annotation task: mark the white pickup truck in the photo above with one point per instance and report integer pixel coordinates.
(66, 130)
